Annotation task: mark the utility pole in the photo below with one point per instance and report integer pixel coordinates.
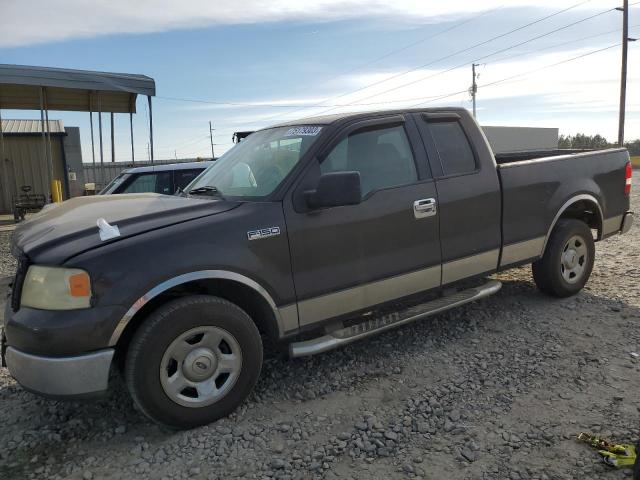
(113, 143)
(623, 73)
(213, 157)
(474, 87)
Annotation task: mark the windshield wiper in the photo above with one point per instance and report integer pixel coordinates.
(206, 190)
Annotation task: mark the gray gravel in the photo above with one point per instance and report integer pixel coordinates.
(7, 262)
(493, 390)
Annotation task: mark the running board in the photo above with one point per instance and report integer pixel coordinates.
(379, 324)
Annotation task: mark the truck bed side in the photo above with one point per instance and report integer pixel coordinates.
(536, 192)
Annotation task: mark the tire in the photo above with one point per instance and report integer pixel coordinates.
(185, 348)
(567, 262)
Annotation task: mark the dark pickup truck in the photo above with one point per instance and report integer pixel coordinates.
(313, 233)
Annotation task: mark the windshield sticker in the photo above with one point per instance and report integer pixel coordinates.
(306, 131)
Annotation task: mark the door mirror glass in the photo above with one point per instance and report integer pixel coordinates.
(335, 189)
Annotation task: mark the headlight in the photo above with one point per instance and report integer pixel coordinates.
(55, 288)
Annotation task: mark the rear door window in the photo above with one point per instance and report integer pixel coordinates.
(158, 182)
(182, 178)
(456, 154)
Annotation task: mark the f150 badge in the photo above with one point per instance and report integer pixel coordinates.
(263, 233)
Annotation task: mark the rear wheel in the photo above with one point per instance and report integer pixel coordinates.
(193, 361)
(568, 259)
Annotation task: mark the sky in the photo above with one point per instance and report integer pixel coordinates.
(249, 64)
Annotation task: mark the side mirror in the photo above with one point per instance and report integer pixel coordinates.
(335, 189)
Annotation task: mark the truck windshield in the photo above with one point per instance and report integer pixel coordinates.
(257, 165)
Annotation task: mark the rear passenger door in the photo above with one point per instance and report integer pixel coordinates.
(468, 195)
(353, 257)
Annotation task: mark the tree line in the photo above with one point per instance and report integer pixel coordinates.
(580, 140)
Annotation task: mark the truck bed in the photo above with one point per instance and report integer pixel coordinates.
(534, 188)
(520, 155)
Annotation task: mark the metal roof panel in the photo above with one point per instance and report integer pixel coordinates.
(18, 126)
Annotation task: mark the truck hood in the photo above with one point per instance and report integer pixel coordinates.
(63, 230)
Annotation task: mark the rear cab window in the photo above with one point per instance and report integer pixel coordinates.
(456, 154)
(182, 178)
(158, 182)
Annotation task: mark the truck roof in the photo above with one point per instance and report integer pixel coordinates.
(169, 167)
(338, 117)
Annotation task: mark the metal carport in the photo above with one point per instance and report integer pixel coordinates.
(44, 88)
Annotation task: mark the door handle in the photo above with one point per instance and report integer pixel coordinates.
(424, 208)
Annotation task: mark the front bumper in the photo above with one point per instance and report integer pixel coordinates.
(73, 376)
(61, 333)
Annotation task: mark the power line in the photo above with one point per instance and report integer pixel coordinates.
(197, 139)
(438, 97)
(466, 49)
(405, 100)
(522, 54)
(401, 49)
(359, 103)
(466, 63)
(562, 44)
(434, 98)
(422, 40)
(289, 106)
(359, 67)
(506, 79)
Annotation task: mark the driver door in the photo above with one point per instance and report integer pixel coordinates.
(353, 257)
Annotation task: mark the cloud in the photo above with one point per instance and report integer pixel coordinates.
(578, 95)
(26, 22)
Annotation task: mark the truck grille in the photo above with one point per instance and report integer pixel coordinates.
(16, 288)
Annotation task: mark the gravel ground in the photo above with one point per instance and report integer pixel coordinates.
(493, 390)
(7, 262)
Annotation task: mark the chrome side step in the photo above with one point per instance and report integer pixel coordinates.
(379, 324)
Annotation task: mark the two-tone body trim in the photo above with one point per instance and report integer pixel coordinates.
(286, 317)
(521, 251)
(324, 307)
(534, 247)
(470, 266)
(347, 335)
(612, 225)
(567, 204)
(349, 300)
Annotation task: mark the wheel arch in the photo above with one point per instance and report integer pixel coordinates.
(238, 289)
(583, 207)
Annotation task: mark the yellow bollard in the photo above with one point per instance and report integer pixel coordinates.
(56, 191)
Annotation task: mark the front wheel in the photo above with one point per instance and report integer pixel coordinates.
(193, 361)
(568, 259)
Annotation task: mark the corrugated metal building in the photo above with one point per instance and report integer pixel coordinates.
(25, 160)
